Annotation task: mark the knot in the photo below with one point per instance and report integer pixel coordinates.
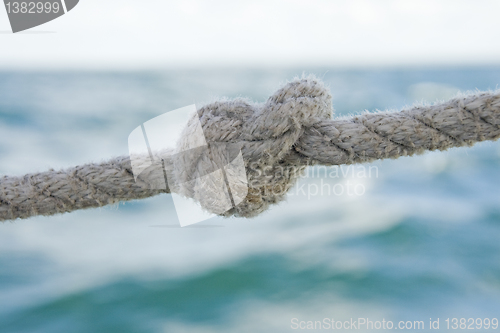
(261, 138)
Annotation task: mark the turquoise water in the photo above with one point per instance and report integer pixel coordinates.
(420, 242)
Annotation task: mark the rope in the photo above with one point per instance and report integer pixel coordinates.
(278, 139)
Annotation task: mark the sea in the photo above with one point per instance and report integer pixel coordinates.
(405, 244)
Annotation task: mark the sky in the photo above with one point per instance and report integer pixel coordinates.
(138, 34)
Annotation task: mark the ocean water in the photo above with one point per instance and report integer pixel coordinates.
(411, 239)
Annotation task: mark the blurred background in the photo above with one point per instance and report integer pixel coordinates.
(420, 242)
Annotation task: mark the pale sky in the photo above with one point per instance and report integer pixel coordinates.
(134, 34)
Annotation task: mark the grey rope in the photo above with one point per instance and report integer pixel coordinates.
(278, 139)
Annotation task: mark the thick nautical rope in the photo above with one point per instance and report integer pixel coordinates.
(278, 139)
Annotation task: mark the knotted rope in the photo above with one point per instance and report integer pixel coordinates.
(278, 139)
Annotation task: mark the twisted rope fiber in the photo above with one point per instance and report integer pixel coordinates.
(278, 139)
